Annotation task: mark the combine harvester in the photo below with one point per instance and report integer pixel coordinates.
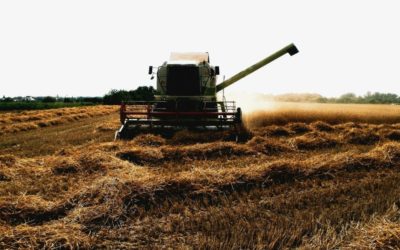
(187, 97)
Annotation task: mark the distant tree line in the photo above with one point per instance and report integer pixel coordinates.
(368, 98)
(143, 93)
(114, 96)
(372, 98)
(297, 97)
(146, 93)
(52, 99)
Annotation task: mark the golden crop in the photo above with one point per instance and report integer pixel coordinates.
(309, 184)
(12, 122)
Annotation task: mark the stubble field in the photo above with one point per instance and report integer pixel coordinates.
(309, 176)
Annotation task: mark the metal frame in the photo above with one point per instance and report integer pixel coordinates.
(141, 114)
(214, 113)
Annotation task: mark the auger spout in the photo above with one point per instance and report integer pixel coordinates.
(290, 49)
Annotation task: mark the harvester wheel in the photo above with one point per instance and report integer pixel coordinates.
(238, 115)
(242, 134)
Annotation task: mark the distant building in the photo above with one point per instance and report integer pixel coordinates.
(30, 98)
(24, 99)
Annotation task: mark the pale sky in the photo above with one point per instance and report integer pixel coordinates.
(86, 48)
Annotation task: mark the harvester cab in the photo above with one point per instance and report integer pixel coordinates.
(187, 96)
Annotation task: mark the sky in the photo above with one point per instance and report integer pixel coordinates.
(86, 48)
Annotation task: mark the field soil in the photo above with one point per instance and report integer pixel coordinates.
(307, 176)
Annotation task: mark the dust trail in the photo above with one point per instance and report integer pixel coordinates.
(250, 103)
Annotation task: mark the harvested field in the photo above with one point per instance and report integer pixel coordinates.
(301, 184)
(12, 122)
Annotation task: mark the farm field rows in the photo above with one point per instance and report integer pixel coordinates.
(309, 176)
(12, 122)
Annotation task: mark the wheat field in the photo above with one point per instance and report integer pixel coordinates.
(309, 176)
(12, 122)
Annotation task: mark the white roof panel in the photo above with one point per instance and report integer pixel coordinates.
(189, 56)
